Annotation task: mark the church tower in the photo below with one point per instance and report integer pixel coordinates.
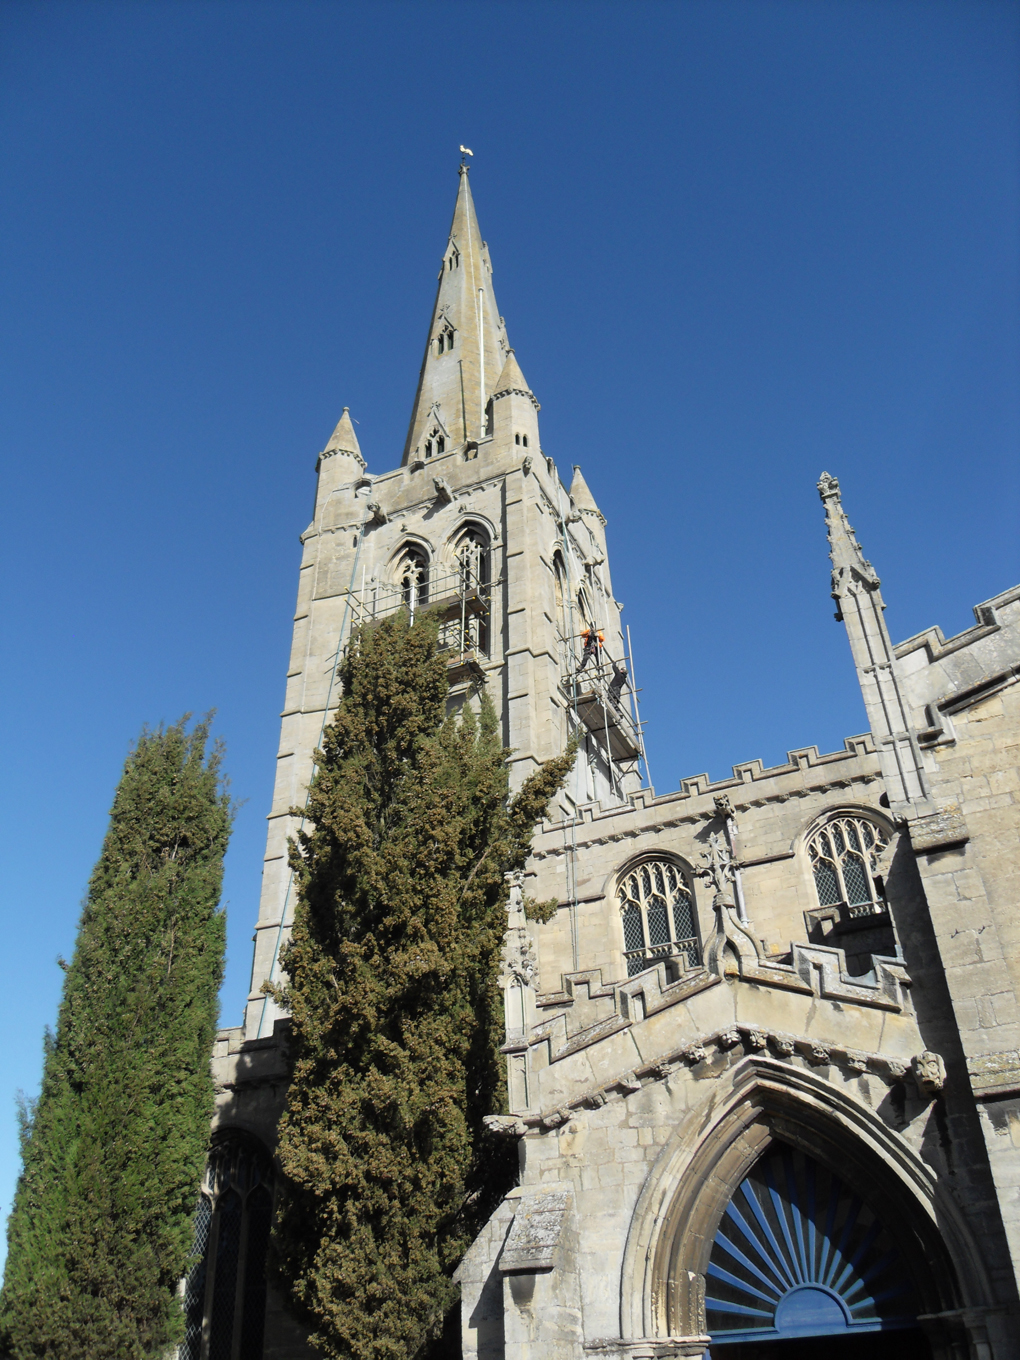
(763, 1060)
(476, 525)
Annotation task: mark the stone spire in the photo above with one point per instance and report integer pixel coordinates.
(855, 588)
(467, 345)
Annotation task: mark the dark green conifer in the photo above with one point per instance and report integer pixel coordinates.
(102, 1220)
(397, 1013)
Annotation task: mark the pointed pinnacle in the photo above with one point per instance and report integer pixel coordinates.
(343, 439)
(511, 379)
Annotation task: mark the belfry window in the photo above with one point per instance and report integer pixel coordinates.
(844, 853)
(472, 553)
(441, 343)
(413, 577)
(563, 629)
(436, 443)
(225, 1289)
(657, 907)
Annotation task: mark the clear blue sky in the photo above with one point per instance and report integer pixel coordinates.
(735, 244)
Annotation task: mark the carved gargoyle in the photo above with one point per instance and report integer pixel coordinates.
(505, 1125)
(929, 1073)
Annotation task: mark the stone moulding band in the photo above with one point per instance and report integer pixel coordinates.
(751, 1039)
(816, 970)
(647, 1348)
(517, 392)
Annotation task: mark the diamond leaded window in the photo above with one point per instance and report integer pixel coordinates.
(658, 916)
(844, 854)
(225, 1289)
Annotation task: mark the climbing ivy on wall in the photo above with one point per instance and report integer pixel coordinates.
(397, 1014)
(113, 1153)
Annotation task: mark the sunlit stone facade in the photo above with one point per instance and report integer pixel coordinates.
(763, 1062)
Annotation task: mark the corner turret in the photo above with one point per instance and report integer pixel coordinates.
(514, 410)
(340, 463)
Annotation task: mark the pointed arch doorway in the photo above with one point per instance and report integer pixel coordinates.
(802, 1265)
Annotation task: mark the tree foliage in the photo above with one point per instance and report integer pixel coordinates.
(397, 1013)
(114, 1149)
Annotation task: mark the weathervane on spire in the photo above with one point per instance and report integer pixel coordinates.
(465, 151)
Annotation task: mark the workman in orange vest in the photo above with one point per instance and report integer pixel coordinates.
(594, 640)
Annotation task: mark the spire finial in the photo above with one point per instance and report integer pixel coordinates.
(465, 151)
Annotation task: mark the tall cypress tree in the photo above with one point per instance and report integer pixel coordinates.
(102, 1220)
(397, 1014)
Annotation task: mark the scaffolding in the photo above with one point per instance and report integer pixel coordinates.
(460, 600)
(595, 693)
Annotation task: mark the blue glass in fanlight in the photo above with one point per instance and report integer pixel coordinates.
(798, 1253)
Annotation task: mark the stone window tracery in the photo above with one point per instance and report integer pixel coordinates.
(472, 557)
(657, 908)
(844, 854)
(563, 629)
(225, 1289)
(413, 577)
(435, 443)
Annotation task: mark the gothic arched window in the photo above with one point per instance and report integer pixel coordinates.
(563, 628)
(225, 1289)
(413, 577)
(472, 555)
(844, 853)
(657, 907)
(435, 443)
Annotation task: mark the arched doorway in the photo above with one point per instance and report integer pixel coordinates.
(803, 1265)
(773, 1104)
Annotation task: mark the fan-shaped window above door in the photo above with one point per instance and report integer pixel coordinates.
(799, 1254)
